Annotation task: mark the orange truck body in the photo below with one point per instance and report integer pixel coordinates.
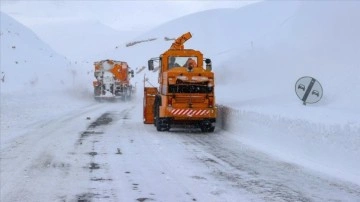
(112, 79)
(185, 96)
(149, 99)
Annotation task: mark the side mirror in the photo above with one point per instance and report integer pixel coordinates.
(208, 64)
(151, 65)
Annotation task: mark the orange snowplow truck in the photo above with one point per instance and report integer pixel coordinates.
(112, 80)
(185, 95)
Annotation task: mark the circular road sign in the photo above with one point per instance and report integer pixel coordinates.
(308, 90)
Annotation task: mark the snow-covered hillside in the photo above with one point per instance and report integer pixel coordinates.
(27, 62)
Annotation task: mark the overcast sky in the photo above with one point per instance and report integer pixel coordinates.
(120, 15)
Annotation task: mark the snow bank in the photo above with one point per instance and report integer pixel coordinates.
(329, 148)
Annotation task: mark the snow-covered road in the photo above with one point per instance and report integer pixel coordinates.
(104, 152)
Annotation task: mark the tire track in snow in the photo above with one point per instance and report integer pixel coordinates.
(41, 158)
(100, 181)
(265, 176)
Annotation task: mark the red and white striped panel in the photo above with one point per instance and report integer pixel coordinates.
(190, 112)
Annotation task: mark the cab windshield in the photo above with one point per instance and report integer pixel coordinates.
(179, 61)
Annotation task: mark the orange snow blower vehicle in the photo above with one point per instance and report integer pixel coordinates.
(112, 80)
(185, 95)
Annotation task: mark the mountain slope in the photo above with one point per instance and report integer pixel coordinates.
(86, 37)
(27, 62)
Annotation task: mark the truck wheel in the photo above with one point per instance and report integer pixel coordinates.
(158, 121)
(206, 127)
(97, 91)
(211, 129)
(158, 124)
(162, 124)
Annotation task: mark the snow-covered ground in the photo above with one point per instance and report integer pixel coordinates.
(58, 144)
